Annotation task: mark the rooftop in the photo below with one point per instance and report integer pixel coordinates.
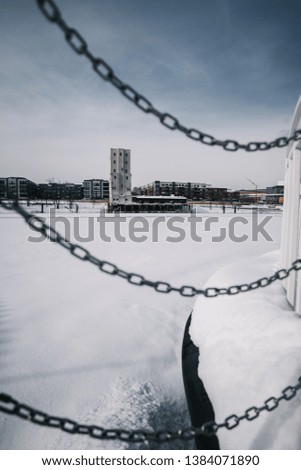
(161, 197)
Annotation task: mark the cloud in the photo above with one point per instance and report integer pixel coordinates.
(215, 65)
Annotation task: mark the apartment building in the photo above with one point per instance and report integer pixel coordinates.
(168, 188)
(60, 191)
(3, 188)
(96, 189)
(17, 188)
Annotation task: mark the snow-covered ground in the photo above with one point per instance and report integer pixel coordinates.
(249, 351)
(81, 344)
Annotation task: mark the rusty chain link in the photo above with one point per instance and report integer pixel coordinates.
(105, 71)
(39, 225)
(12, 406)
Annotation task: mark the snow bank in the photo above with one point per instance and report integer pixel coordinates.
(249, 351)
(78, 343)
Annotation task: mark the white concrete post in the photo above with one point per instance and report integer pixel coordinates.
(290, 241)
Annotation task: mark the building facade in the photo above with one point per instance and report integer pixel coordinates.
(275, 194)
(192, 191)
(105, 189)
(3, 188)
(120, 176)
(167, 188)
(60, 191)
(159, 204)
(17, 188)
(96, 189)
(252, 196)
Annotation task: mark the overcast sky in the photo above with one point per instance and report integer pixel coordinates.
(230, 68)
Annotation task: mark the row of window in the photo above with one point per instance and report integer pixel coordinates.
(120, 154)
(125, 162)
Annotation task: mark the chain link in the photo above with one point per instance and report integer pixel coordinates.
(11, 406)
(105, 71)
(83, 254)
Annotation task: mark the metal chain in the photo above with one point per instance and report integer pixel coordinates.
(38, 224)
(105, 71)
(12, 406)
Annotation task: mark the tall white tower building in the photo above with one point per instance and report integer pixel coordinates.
(120, 176)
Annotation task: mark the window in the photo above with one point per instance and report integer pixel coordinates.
(114, 177)
(114, 170)
(127, 177)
